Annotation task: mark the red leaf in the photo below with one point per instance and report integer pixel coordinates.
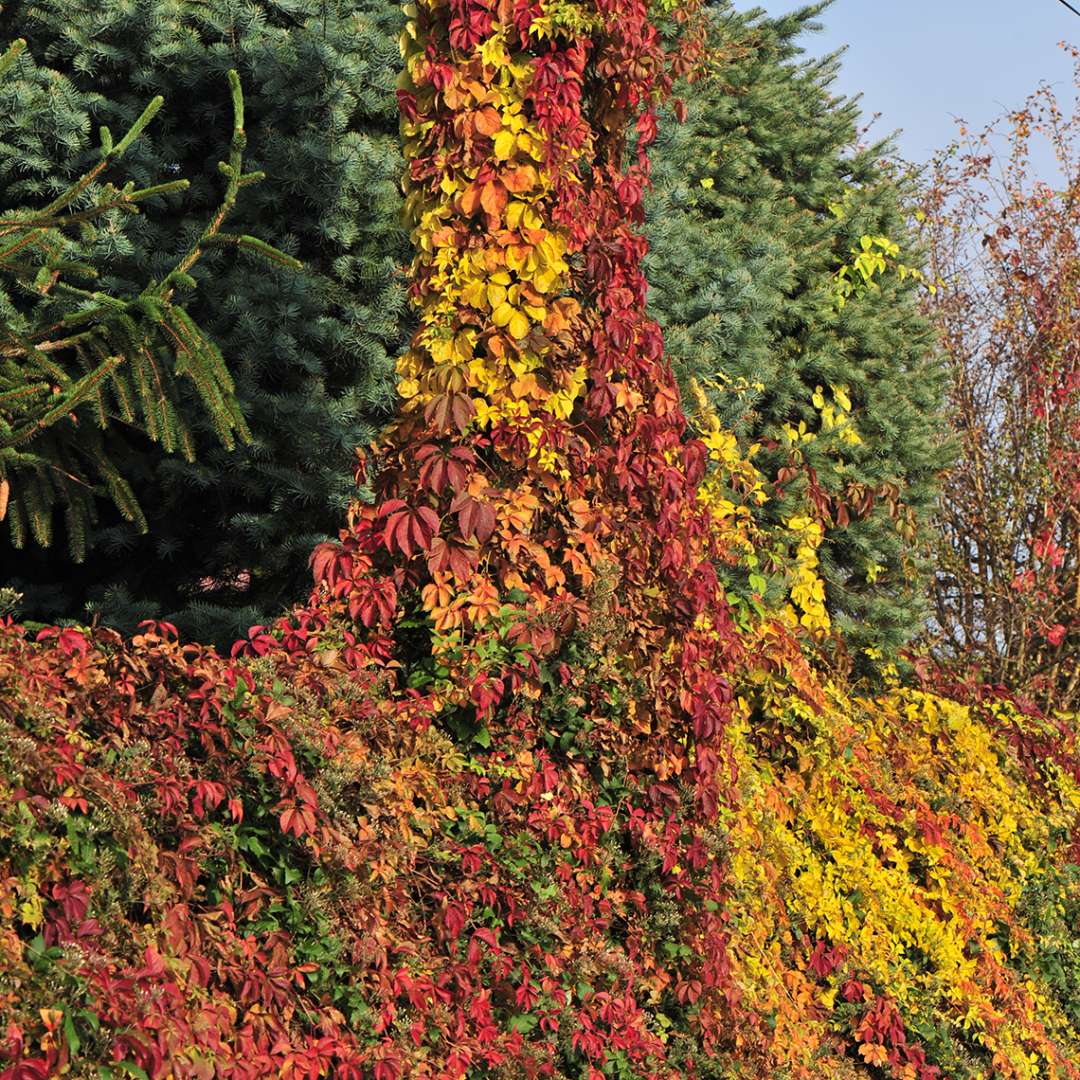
(387, 1069)
(297, 820)
(450, 410)
(373, 601)
(454, 919)
(70, 641)
(475, 518)
(409, 531)
(440, 468)
(326, 563)
(449, 556)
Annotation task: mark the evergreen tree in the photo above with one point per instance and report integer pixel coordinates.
(78, 362)
(744, 253)
(312, 353)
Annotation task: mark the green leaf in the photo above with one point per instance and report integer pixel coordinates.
(129, 1068)
(70, 1034)
(523, 1023)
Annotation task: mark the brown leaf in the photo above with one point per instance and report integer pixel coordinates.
(454, 557)
(448, 410)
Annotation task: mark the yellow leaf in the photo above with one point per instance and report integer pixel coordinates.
(473, 294)
(524, 362)
(544, 280)
(502, 315)
(504, 145)
(493, 53)
(31, 911)
(514, 214)
(465, 345)
(519, 325)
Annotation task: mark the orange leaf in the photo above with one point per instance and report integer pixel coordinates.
(493, 198)
(487, 121)
(470, 199)
(519, 180)
(874, 1054)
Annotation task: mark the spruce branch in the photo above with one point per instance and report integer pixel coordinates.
(117, 359)
(11, 54)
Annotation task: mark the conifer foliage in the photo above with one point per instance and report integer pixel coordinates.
(75, 359)
(759, 200)
(311, 352)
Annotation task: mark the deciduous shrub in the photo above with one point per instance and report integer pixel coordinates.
(1004, 241)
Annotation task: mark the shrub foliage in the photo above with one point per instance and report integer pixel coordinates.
(1007, 589)
(275, 865)
(523, 790)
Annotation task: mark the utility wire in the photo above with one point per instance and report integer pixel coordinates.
(1069, 6)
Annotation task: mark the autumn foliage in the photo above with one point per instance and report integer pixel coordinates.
(523, 790)
(1004, 244)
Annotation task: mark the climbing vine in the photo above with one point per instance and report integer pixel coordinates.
(531, 786)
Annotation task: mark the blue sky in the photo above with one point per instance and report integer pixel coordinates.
(921, 62)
